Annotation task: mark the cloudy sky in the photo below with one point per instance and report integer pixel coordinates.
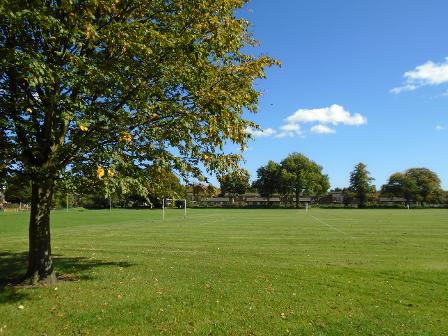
(361, 81)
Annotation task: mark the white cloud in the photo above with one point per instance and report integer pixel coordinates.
(320, 117)
(335, 114)
(322, 129)
(258, 133)
(440, 128)
(404, 88)
(290, 130)
(429, 73)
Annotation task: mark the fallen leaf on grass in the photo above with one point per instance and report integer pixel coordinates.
(67, 277)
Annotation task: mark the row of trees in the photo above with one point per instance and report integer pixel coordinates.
(297, 176)
(417, 185)
(294, 176)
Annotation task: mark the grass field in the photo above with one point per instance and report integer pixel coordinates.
(233, 272)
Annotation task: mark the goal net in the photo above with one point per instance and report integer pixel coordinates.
(171, 203)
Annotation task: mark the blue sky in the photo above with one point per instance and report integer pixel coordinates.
(356, 85)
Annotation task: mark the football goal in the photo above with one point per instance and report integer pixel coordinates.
(177, 203)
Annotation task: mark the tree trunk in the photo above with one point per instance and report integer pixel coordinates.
(362, 200)
(297, 200)
(40, 264)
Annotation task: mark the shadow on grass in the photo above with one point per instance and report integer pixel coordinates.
(13, 267)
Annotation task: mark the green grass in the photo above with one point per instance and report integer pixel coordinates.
(234, 272)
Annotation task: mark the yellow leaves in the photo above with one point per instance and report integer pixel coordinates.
(83, 127)
(90, 32)
(227, 131)
(29, 110)
(100, 172)
(125, 137)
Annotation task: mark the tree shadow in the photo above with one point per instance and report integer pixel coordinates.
(13, 267)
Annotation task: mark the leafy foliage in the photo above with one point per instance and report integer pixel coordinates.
(123, 85)
(201, 191)
(18, 189)
(415, 184)
(268, 178)
(235, 183)
(301, 176)
(360, 183)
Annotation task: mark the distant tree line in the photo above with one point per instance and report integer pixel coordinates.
(294, 177)
(297, 176)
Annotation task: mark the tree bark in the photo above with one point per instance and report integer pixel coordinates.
(40, 263)
(297, 200)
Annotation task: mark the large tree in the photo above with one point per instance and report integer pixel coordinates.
(234, 183)
(111, 87)
(360, 183)
(300, 176)
(267, 180)
(415, 184)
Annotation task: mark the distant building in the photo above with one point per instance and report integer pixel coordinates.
(392, 201)
(337, 197)
(249, 199)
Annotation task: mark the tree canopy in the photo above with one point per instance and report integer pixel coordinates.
(235, 183)
(415, 184)
(268, 179)
(106, 89)
(360, 183)
(300, 176)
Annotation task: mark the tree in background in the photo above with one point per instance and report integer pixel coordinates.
(415, 184)
(299, 176)
(202, 190)
(428, 184)
(18, 189)
(118, 86)
(349, 196)
(267, 180)
(163, 183)
(234, 183)
(360, 183)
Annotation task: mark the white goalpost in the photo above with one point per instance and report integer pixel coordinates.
(165, 202)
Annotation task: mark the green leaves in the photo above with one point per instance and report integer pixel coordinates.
(360, 183)
(415, 184)
(299, 176)
(235, 183)
(169, 74)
